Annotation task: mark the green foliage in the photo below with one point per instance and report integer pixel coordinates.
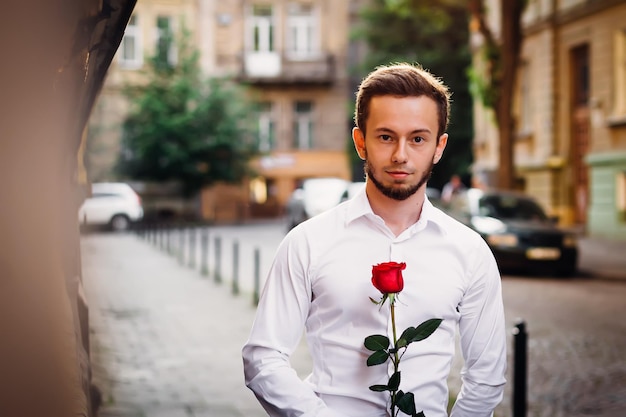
(435, 34)
(184, 128)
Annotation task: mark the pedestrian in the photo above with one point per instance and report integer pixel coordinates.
(452, 188)
(319, 283)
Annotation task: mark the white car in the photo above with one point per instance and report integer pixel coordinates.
(112, 204)
(315, 196)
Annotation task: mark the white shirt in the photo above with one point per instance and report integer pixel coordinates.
(320, 283)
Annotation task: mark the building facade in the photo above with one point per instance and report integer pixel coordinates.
(570, 112)
(292, 56)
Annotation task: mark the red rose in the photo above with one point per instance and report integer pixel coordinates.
(387, 277)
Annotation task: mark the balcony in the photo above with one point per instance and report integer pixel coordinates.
(274, 68)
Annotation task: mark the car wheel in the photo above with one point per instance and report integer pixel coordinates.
(120, 223)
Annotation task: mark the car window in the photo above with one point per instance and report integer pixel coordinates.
(510, 208)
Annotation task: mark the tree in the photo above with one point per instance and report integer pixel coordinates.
(184, 128)
(435, 34)
(502, 58)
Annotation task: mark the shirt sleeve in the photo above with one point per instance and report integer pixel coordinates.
(483, 339)
(276, 332)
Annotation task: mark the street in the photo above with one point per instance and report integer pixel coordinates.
(167, 336)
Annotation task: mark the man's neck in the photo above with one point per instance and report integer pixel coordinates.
(398, 215)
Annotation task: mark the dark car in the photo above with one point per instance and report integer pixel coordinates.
(518, 231)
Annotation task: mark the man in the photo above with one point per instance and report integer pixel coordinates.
(320, 283)
(451, 188)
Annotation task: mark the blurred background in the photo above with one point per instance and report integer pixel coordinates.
(245, 100)
(165, 116)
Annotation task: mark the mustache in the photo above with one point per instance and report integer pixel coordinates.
(400, 167)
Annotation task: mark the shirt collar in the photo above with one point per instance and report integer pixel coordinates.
(359, 206)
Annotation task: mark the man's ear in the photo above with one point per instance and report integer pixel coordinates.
(443, 141)
(359, 142)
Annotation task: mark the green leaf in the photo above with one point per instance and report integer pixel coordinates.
(377, 358)
(420, 414)
(383, 299)
(426, 329)
(408, 334)
(379, 388)
(401, 343)
(394, 381)
(377, 342)
(406, 403)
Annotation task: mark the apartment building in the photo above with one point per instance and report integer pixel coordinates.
(570, 112)
(151, 23)
(292, 56)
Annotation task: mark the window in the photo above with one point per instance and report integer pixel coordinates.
(301, 31)
(131, 49)
(266, 127)
(165, 50)
(303, 125)
(262, 26)
(620, 73)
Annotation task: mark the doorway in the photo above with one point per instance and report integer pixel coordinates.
(580, 130)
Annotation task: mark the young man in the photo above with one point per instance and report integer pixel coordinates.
(320, 284)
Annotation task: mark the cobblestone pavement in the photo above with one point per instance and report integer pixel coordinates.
(166, 338)
(576, 345)
(165, 342)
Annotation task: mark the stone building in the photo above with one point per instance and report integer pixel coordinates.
(293, 57)
(570, 112)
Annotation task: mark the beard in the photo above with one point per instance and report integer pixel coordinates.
(398, 193)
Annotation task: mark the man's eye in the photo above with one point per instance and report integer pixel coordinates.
(385, 137)
(418, 139)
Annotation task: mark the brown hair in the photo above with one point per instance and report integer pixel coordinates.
(402, 80)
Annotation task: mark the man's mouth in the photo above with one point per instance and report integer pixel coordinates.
(398, 175)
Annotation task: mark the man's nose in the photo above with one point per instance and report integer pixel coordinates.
(399, 155)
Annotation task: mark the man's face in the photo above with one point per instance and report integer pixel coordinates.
(401, 146)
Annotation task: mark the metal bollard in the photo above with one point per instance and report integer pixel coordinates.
(218, 260)
(257, 276)
(181, 246)
(161, 237)
(192, 247)
(235, 267)
(520, 369)
(168, 239)
(204, 252)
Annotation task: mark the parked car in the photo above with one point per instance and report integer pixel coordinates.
(517, 230)
(114, 205)
(315, 196)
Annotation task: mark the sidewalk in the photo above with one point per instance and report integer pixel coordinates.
(166, 341)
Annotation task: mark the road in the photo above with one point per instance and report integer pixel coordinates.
(576, 330)
(576, 344)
